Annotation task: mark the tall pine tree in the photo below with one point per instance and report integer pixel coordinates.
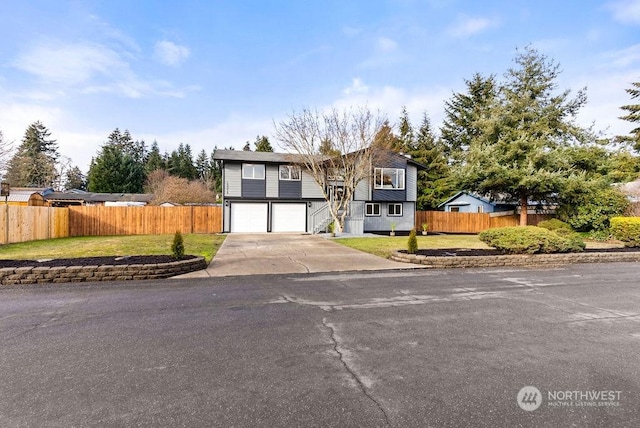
(633, 115)
(119, 166)
(515, 148)
(34, 163)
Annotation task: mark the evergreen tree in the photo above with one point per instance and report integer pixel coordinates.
(405, 142)
(34, 163)
(154, 160)
(516, 149)
(633, 115)
(181, 164)
(75, 179)
(262, 144)
(463, 113)
(119, 166)
(435, 184)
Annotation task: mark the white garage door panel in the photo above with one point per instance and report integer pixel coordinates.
(288, 217)
(249, 217)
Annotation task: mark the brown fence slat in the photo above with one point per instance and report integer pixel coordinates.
(30, 223)
(103, 221)
(440, 221)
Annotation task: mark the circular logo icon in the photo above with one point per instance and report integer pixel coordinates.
(529, 398)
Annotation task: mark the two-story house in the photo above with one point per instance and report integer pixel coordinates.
(270, 192)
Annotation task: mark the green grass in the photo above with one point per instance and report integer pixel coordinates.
(383, 246)
(95, 246)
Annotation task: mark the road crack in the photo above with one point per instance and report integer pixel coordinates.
(352, 373)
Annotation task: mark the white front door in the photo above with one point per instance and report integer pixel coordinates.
(288, 217)
(249, 217)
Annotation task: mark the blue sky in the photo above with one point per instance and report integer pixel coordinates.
(220, 73)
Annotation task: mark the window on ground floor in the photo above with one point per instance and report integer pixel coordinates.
(372, 209)
(394, 210)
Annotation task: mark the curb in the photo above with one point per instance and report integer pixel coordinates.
(514, 260)
(62, 274)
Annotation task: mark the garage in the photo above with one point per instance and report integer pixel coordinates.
(288, 217)
(249, 217)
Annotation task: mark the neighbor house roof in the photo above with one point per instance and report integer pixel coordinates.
(78, 195)
(23, 194)
(454, 197)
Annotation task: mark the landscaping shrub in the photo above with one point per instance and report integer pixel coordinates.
(412, 244)
(530, 240)
(177, 247)
(555, 225)
(626, 229)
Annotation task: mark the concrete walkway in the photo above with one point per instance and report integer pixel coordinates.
(271, 253)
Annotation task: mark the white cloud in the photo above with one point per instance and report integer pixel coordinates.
(624, 57)
(626, 11)
(385, 44)
(470, 26)
(70, 64)
(90, 68)
(351, 31)
(389, 100)
(170, 53)
(357, 87)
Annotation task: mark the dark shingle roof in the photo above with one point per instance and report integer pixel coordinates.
(247, 156)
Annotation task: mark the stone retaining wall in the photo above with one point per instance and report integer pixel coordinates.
(515, 260)
(60, 274)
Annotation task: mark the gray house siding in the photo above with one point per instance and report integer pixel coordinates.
(382, 223)
(290, 189)
(309, 187)
(389, 195)
(272, 179)
(226, 222)
(362, 191)
(232, 180)
(411, 183)
(253, 188)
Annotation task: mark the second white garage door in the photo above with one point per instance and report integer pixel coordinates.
(288, 217)
(249, 217)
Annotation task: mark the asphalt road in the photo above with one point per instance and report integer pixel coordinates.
(420, 348)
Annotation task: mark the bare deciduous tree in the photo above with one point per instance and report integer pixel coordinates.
(6, 150)
(337, 149)
(178, 190)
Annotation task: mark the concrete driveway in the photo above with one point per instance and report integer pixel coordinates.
(273, 253)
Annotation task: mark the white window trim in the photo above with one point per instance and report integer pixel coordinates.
(372, 205)
(395, 214)
(289, 168)
(244, 177)
(381, 172)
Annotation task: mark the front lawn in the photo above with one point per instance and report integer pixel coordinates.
(383, 246)
(205, 245)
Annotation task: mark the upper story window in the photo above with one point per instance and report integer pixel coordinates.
(389, 178)
(253, 171)
(289, 173)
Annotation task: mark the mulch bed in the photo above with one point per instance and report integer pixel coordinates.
(91, 261)
(456, 252)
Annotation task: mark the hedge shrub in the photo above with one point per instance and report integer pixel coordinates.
(626, 229)
(555, 225)
(531, 240)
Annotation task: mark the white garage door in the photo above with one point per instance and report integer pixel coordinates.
(288, 217)
(249, 217)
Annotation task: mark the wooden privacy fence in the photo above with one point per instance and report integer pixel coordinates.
(22, 224)
(440, 221)
(102, 221)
